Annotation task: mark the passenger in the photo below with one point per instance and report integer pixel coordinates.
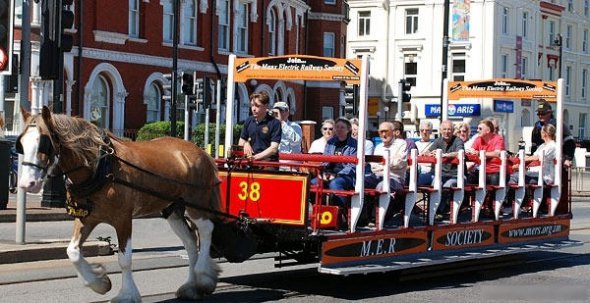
(261, 134)
(369, 147)
(425, 174)
(410, 144)
(390, 133)
(450, 146)
(318, 145)
(545, 114)
(340, 176)
(549, 147)
(463, 131)
(291, 131)
(492, 144)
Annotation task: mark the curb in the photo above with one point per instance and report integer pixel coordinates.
(40, 251)
(36, 217)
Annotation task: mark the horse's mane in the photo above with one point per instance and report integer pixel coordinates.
(82, 138)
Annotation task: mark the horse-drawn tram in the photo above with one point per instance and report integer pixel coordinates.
(288, 214)
(242, 207)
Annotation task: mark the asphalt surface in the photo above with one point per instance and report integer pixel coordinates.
(51, 249)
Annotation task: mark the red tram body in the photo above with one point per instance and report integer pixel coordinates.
(284, 213)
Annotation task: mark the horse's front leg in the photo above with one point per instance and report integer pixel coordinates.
(94, 275)
(129, 291)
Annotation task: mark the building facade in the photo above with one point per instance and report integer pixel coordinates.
(114, 75)
(486, 39)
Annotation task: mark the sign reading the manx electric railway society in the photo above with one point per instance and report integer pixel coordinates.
(298, 68)
(503, 88)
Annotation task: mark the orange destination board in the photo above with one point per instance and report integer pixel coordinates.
(503, 88)
(298, 67)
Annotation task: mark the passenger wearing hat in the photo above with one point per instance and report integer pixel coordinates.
(291, 131)
(545, 114)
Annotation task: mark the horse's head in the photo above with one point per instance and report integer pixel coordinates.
(36, 146)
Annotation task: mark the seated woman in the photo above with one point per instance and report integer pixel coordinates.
(318, 145)
(340, 176)
(492, 143)
(549, 148)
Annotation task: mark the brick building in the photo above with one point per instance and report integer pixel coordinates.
(114, 74)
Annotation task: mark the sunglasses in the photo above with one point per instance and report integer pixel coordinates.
(425, 130)
(463, 131)
(542, 114)
(327, 128)
(384, 131)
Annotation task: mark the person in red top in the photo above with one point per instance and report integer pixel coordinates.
(492, 143)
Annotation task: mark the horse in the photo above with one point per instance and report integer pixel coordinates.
(112, 181)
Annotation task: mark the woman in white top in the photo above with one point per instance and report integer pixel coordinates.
(318, 145)
(549, 149)
(425, 174)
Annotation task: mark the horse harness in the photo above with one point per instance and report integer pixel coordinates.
(45, 147)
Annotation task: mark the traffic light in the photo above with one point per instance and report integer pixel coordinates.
(350, 100)
(199, 90)
(405, 87)
(6, 29)
(66, 21)
(187, 84)
(167, 87)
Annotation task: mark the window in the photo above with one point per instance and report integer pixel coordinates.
(584, 83)
(570, 6)
(330, 1)
(134, 18)
(582, 127)
(568, 37)
(458, 67)
(524, 62)
(411, 21)
(525, 118)
(364, 24)
(189, 22)
(410, 69)
(586, 7)
(167, 24)
(329, 44)
(504, 66)
(272, 33)
(242, 28)
(525, 24)
(223, 26)
(585, 41)
(551, 73)
(99, 103)
(154, 96)
(568, 79)
(551, 32)
(505, 18)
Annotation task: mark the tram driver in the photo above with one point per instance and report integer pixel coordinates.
(261, 134)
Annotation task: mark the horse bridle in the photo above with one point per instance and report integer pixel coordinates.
(45, 147)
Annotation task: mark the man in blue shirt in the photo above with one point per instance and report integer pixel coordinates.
(261, 134)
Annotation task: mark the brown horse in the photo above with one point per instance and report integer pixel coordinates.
(112, 181)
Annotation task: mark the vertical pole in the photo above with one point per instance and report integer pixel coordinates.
(174, 90)
(25, 49)
(217, 117)
(560, 39)
(400, 100)
(445, 54)
(186, 118)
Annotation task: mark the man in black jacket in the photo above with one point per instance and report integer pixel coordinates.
(545, 114)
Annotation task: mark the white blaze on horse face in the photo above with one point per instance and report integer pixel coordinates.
(30, 177)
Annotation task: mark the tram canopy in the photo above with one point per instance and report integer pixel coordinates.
(503, 88)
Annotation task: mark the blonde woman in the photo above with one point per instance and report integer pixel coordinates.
(318, 145)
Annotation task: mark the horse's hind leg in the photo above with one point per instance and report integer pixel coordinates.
(207, 270)
(129, 291)
(94, 275)
(189, 239)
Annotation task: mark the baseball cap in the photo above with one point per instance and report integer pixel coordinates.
(544, 107)
(281, 105)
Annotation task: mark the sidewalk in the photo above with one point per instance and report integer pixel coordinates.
(11, 252)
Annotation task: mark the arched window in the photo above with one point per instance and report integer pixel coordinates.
(167, 23)
(153, 97)
(272, 33)
(134, 18)
(99, 103)
(278, 96)
(526, 118)
(189, 23)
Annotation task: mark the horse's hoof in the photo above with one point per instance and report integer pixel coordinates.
(101, 285)
(207, 279)
(125, 299)
(188, 292)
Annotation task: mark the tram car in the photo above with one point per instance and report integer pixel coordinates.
(272, 210)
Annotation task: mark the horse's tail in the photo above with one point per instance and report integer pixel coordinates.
(215, 197)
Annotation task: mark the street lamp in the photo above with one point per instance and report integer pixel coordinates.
(558, 41)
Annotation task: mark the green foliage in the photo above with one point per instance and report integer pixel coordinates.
(199, 135)
(159, 129)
